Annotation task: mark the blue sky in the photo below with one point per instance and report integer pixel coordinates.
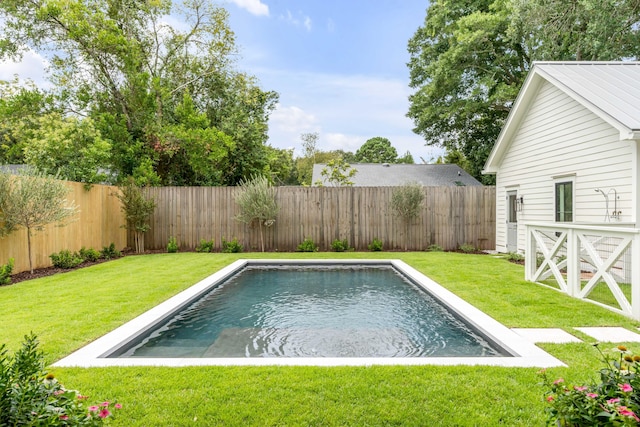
(338, 65)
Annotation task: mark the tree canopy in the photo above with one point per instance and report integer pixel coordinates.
(469, 59)
(167, 99)
(377, 150)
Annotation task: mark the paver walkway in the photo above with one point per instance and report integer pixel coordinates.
(559, 336)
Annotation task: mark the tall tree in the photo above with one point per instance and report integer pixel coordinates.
(122, 63)
(70, 148)
(377, 150)
(469, 59)
(281, 167)
(466, 72)
(21, 105)
(577, 30)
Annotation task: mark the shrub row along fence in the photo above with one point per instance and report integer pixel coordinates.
(97, 224)
(450, 217)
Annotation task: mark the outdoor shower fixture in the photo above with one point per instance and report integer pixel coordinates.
(616, 213)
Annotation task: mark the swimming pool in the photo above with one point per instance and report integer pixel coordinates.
(180, 332)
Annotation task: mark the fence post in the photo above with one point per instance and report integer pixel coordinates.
(573, 263)
(529, 254)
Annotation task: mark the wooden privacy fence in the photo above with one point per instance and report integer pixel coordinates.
(450, 217)
(97, 224)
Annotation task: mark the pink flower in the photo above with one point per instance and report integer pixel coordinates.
(623, 410)
(104, 413)
(558, 381)
(118, 406)
(625, 387)
(612, 401)
(583, 388)
(93, 408)
(549, 398)
(58, 392)
(592, 395)
(82, 397)
(64, 417)
(104, 404)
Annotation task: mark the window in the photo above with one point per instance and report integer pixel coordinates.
(564, 201)
(513, 208)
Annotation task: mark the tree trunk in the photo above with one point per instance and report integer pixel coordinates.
(406, 235)
(139, 241)
(261, 235)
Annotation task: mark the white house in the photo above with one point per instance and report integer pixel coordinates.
(567, 174)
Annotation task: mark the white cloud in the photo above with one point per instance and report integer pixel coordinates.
(307, 23)
(340, 141)
(293, 120)
(298, 20)
(33, 67)
(254, 7)
(346, 110)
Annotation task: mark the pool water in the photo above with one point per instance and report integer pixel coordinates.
(313, 311)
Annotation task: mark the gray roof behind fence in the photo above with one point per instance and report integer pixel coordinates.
(393, 175)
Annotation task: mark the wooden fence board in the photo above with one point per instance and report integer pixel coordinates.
(98, 223)
(450, 217)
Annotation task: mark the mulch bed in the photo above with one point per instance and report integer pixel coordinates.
(48, 271)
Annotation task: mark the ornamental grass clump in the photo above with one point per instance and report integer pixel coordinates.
(614, 401)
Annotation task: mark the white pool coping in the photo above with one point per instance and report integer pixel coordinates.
(525, 353)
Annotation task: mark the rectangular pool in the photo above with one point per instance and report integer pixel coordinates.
(312, 312)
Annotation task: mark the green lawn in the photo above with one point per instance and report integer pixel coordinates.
(69, 310)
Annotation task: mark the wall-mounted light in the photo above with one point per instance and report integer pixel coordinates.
(519, 203)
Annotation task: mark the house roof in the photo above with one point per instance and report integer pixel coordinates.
(13, 169)
(611, 90)
(392, 175)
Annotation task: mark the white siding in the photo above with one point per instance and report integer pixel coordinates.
(558, 136)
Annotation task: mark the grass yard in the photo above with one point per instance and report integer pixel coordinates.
(69, 310)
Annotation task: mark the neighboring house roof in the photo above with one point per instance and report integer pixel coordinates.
(13, 169)
(611, 90)
(392, 175)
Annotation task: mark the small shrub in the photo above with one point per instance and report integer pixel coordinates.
(205, 246)
(435, 248)
(31, 397)
(110, 252)
(514, 257)
(375, 245)
(307, 245)
(232, 247)
(467, 248)
(340, 245)
(65, 259)
(5, 272)
(172, 246)
(614, 401)
(90, 254)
